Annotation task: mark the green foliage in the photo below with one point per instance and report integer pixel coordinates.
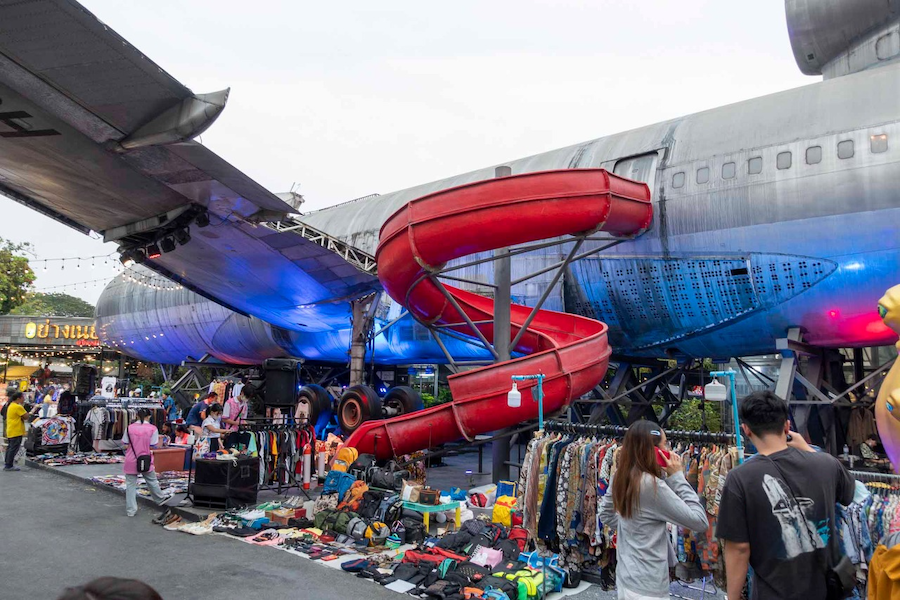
(16, 277)
(54, 305)
(688, 416)
(443, 397)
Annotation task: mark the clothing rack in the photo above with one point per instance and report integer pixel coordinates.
(618, 431)
(271, 423)
(869, 477)
(280, 424)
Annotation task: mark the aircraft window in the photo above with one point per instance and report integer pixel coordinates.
(878, 143)
(678, 179)
(814, 155)
(728, 170)
(702, 174)
(754, 165)
(845, 149)
(783, 160)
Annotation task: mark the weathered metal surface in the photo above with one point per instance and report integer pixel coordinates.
(826, 32)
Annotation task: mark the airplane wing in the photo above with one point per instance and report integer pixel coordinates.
(97, 136)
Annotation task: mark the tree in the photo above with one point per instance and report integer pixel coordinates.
(54, 305)
(16, 277)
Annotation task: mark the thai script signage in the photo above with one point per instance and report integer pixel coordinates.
(50, 330)
(41, 331)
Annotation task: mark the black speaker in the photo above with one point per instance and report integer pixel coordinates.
(282, 381)
(85, 380)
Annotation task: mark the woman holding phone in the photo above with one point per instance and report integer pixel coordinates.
(639, 503)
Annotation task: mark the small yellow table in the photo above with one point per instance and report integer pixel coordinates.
(427, 509)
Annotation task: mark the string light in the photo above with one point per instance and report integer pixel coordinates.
(83, 284)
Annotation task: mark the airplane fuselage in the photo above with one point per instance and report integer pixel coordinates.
(777, 212)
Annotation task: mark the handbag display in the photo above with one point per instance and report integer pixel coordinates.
(430, 497)
(390, 477)
(410, 491)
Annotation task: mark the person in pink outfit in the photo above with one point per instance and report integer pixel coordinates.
(139, 437)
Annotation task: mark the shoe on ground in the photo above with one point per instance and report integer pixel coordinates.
(12, 469)
(158, 519)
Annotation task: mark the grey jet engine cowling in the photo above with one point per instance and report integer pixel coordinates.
(838, 37)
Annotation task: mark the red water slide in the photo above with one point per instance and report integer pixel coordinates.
(571, 351)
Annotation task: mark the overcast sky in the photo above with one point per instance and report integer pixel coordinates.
(343, 99)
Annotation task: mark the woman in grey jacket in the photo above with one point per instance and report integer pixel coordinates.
(639, 503)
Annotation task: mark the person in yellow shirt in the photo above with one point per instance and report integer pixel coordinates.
(16, 415)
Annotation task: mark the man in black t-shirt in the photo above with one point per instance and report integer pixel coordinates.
(777, 509)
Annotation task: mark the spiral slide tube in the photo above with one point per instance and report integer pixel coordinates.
(571, 351)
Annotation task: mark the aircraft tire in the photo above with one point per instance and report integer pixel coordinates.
(359, 403)
(318, 399)
(403, 399)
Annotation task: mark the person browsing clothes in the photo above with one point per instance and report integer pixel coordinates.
(212, 427)
(638, 505)
(171, 409)
(777, 512)
(197, 413)
(139, 438)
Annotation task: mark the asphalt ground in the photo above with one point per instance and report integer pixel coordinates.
(59, 532)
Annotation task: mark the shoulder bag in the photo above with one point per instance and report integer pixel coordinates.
(144, 460)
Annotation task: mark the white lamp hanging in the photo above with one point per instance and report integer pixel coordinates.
(514, 397)
(716, 391)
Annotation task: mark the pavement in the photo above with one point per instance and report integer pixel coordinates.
(64, 531)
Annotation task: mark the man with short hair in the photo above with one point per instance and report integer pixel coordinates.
(777, 509)
(197, 414)
(16, 415)
(169, 406)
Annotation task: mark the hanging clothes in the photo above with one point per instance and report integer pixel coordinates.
(280, 452)
(564, 477)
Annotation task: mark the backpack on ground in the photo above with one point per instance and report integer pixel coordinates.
(415, 530)
(356, 528)
(390, 509)
(377, 533)
(520, 536)
(361, 466)
(345, 457)
(509, 548)
(530, 581)
(325, 502)
(370, 503)
(509, 588)
(322, 516)
(353, 498)
(338, 482)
